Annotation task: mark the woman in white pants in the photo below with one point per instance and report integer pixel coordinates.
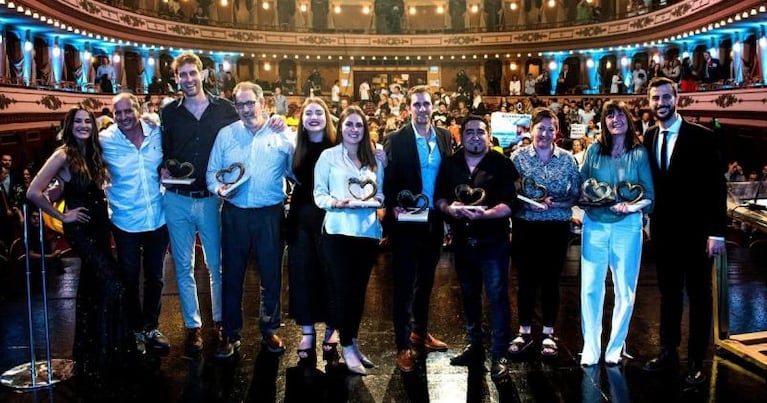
(616, 167)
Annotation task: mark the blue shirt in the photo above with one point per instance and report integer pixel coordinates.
(430, 159)
(267, 156)
(559, 176)
(331, 182)
(632, 166)
(135, 201)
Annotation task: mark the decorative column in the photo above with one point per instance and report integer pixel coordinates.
(27, 64)
(56, 62)
(118, 66)
(592, 74)
(86, 75)
(736, 67)
(3, 70)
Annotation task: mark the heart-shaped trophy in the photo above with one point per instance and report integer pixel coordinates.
(233, 175)
(596, 193)
(533, 190)
(180, 172)
(469, 196)
(363, 190)
(629, 192)
(414, 204)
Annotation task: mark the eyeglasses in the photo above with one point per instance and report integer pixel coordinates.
(242, 105)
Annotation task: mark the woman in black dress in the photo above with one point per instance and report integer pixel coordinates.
(103, 341)
(309, 298)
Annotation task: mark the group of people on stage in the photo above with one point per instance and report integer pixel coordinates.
(222, 170)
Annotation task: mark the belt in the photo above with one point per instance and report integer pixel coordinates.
(195, 194)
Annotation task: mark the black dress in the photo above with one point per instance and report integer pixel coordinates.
(309, 298)
(103, 341)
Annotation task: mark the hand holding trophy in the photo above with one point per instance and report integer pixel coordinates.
(231, 178)
(532, 193)
(625, 197)
(363, 192)
(178, 173)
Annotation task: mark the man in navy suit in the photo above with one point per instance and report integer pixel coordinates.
(415, 153)
(684, 238)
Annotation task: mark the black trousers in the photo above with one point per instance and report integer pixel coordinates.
(349, 261)
(683, 266)
(416, 249)
(539, 249)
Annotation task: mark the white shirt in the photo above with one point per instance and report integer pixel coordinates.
(614, 89)
(365, 91)
(671, 137)
(268, 160)
(515, 87)
(332, 172)
(135, 200)
(335, 93)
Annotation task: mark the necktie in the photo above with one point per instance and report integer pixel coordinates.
(664, 150)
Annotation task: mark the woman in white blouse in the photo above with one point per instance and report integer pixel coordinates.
(348, 184)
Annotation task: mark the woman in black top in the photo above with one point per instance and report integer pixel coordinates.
(310, 301)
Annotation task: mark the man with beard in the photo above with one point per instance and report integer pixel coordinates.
(415, 153)
(251, 216)
(685, 167)
(189, 128)
(480, 237)
(132, 151)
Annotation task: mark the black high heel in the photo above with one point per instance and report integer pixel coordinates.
(330, 352)
(307, 357)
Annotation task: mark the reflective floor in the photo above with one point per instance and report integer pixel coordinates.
(256, 375)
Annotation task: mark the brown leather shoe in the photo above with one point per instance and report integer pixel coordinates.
(405, 361)
(193, 342)
(274, 344)
(429, 342)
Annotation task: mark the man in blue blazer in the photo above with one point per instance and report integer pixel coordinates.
(415, 153)
(687, 171)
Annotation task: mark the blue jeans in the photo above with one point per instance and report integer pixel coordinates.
(478, 261)
(133, 249)
(259, 230)
(186, 217)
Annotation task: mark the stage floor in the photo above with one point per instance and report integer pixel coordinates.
(256, 375)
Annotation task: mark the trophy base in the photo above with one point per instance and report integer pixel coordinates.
(234, 186)
(531, 201)
(177, 181)
(470, 208)
(20, 376)
(365, 203)
(413, 216)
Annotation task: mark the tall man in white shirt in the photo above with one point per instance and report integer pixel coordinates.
(132, 151)
(252, 213)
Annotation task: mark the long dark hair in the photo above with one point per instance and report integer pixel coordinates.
(91, 164)
(365, 149)
(302, 140)
(630, 139)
